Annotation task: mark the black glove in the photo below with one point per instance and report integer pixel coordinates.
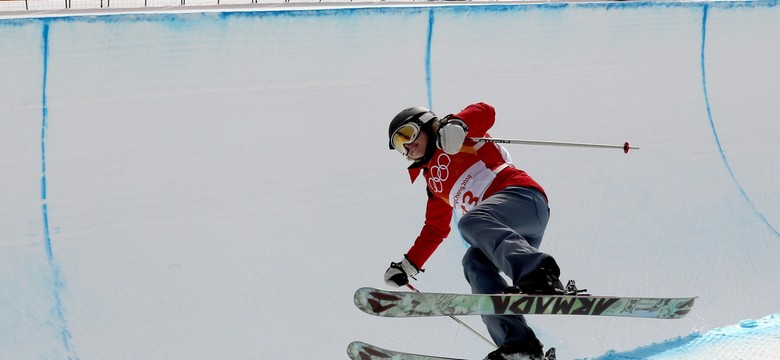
(398, 274)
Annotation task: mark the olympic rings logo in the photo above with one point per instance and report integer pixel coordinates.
(439, 173)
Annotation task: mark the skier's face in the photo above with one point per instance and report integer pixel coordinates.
(416, 149)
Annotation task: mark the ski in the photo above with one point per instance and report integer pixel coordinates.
(361, 351)
(388, 303)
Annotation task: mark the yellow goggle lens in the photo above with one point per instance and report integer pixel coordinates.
(404, 135)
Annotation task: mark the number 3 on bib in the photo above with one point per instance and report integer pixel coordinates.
(470, 200)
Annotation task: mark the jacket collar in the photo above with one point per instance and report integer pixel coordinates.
(414, 170)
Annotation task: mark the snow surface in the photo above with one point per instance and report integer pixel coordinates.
(750, 339)
(216, 185)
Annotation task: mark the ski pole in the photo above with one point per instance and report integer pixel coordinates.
(459, 321)
(625, 146)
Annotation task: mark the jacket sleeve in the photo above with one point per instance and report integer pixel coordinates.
(479, 117)
(438, 215)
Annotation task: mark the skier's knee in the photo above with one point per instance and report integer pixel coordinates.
(469, 224)
(473, 257)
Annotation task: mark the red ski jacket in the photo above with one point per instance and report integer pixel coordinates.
(463, 180)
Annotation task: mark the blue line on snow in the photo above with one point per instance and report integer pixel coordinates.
(44, 129)
(57, 275)
(428, 58)
(715, 132)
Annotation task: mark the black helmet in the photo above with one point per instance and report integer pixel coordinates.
(416, 114)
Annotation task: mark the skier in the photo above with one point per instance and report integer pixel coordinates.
(503, 215)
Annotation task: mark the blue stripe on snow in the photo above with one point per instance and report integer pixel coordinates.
(428, 58)
(59, 284)
(741, 189)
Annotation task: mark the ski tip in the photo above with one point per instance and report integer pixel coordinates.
(356, 350)
(371, 300)
(353, 349)
(362, 292)
(359, 298)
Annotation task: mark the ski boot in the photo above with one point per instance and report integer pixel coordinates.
(548, 355)
(519, 350)
(542, 281)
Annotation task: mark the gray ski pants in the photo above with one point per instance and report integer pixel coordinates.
(504, 232)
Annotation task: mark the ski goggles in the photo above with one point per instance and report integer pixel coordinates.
(406, 134)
